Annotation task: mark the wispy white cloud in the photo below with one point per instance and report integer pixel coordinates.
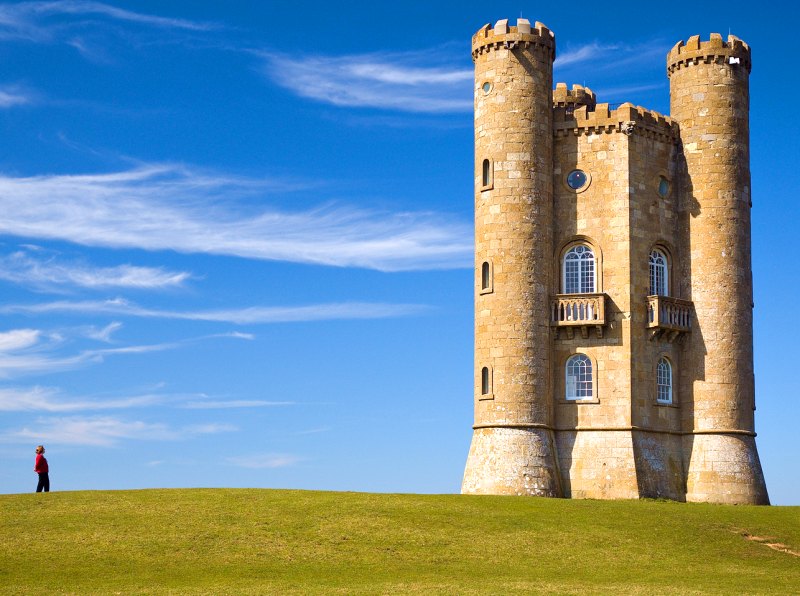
(234, 403)
(23, 268)
(639, 56)
(240, 316)
(18, 339)
(589, 52)
(52, 21)
(260, 461)
(169, 207)
(11, 97)
(26, 351)
(610, 55)
(77, 7)
(47, 399)
(33, 362)
(54, 400)
(603, 61)
(404, 81)
(314, 431)
(240, 335)
(105, 431)
(105, 333)
(409, 82)
(205, 429)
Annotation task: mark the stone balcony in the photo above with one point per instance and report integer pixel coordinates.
(582, 311)
(668, 317)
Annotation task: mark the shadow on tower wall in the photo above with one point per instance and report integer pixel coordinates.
(662, 459)
(694, 352)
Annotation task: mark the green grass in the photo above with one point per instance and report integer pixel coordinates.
(275, 541)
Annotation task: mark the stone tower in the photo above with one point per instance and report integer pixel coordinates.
(613, 288)
(710, 98)
(512, 448)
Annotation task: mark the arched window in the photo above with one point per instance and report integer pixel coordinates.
(486, 280)
(663, 381)
(485, 384)
(486, 177)
(579, 380)
(659, 274)
(578, 273)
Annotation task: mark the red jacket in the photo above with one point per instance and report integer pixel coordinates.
(41, 466)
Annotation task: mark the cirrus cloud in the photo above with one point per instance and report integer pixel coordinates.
(23, 268)
(48, 399)
(105, 431)
(52, 21)
(261, 461)
(12, 97)
(30, 351)
(172, 207)
(400, 81)
(238, 316)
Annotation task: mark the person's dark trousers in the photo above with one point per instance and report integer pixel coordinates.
(44, 483)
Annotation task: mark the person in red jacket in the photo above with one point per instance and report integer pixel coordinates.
(43, 470)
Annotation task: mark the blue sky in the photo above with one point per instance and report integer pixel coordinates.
(236, 238)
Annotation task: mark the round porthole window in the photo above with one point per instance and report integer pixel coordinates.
(663, 187)
(487, 86)
(577, 179)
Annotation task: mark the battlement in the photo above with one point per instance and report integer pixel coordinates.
(627, 119)
(572, 98)
(732, 51)
(506, 36)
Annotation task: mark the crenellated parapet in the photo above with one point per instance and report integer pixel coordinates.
(573, 98)
(694, 51)
(505, 36)
(626, 119)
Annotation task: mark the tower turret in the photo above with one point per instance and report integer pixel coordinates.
(709, 92)
(570, 99)
(512, 449)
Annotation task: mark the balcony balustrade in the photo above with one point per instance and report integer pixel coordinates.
(668, 317)
(568, 311)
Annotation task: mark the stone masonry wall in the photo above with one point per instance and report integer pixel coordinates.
(709, 92)
(654, 223)
(513, 235)
(624, 151)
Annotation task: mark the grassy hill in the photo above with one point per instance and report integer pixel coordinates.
(276, 541)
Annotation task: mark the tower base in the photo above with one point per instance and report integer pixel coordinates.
(724, 468)
(597, 464)
(512, 461)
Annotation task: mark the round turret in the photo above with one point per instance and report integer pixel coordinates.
(709, 92)
(512, 450)
(714, 51)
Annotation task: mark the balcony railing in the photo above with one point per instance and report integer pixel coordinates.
(578, 310)
(670, 316)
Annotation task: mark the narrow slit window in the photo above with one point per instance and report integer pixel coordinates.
(485, 388)
(486, 276)
(486, 179)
